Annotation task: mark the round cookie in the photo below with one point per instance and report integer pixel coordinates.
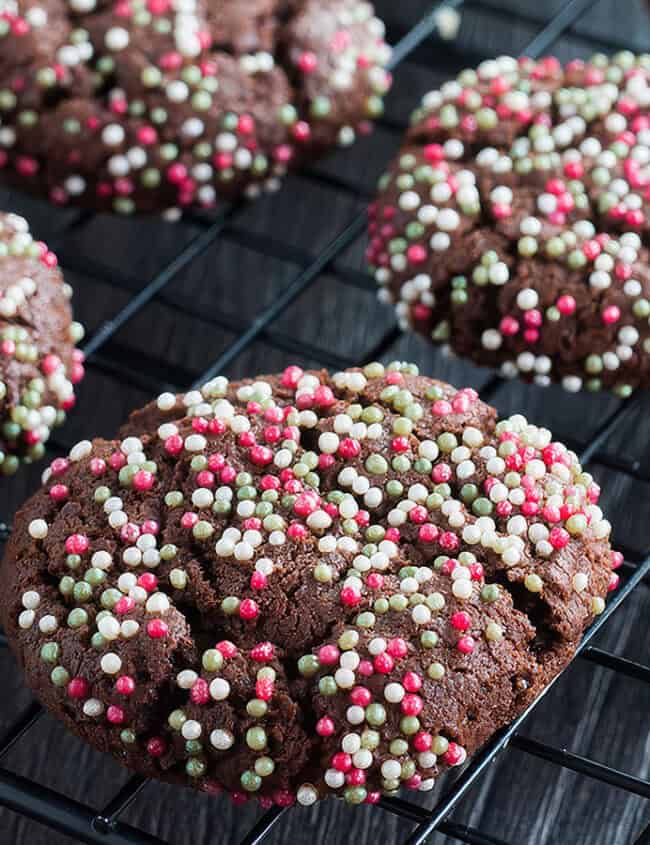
(514, 224)
(39, 365)
(155, 105)
(305, 585)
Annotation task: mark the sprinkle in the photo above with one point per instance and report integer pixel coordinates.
(219, 689)
(38, 529)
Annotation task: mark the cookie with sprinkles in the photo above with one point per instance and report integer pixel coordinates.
(306, 584)
(514, 225)
(156, 105)
(39, 364)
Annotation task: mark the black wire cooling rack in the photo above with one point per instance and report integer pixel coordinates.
(105, 826)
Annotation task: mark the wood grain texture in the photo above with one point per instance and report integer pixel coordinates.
(592, 711)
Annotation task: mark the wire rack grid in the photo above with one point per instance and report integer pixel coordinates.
(86, 824)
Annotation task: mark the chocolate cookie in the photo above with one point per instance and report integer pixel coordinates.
(38, 362)
(305, 585)
(514, 224)
(154, 105)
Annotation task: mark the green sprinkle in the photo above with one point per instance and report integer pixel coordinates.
(256, 738)
(50, 652)
(375, 714)
(60, 676)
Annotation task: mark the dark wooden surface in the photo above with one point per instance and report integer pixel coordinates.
(591, 711)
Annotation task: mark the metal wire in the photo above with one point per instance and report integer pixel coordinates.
(104, 353)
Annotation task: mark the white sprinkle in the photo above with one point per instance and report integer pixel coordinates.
(222, 740)
(355, 715)
(391, 769)
(48, 624)
(306, 795)
(109, 628)
(527, 299)
(31, 599)
(26, 619)
(191, 729)
(421, 614)
(394, 693)
(462, 589)
(334, 779)
(580, 582)
(93, 707)
(116, 38)
(102, 560)
(363, 759)
(111, 663)
(219, 689)
(344, 678)
(166, 401)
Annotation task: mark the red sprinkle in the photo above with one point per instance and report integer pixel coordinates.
(342, 762)
(397, 648)
(264, 689)
(226, 648)
(59, 492)
(384, 663)
(78, 688)
(125, 685)
(350, 597)
(454, 754)
(76, 544)
(325, 726)
(157, 629)
(156, 746)
(361, 696)
(263, 652)
(200, 692)
(248, 609)
(466, 645)
(422, 741)
(461, 621)
(411, 705)
(308, 62)
(115, 715)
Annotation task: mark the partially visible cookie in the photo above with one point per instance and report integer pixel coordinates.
(306, 584)
(39, 364)
(514, 224)
(158, 105)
